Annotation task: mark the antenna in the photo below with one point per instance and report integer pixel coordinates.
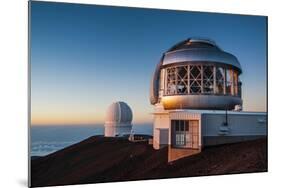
(226, 117)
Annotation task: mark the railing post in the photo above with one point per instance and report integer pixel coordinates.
(188, 79)
(215, 79)
(201, 78)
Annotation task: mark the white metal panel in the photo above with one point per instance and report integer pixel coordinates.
(184, 115)
(109, 131)
(161, 121)
(238, 124)
(163, 136)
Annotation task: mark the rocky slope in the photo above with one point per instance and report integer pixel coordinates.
(99, 159)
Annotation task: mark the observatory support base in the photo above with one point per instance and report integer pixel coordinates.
(177, 153)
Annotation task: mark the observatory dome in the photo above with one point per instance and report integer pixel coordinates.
(118, 119)
(197, 74)
(119, 112)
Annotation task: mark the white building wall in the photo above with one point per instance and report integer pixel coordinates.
(109, 131)
(161, 121)
(113, 129)
(241, 126)
(238, 124)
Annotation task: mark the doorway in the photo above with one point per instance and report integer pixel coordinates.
(185, 133)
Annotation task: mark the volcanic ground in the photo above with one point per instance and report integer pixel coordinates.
(99, 159)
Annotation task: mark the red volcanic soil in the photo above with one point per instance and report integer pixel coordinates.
(99, 159)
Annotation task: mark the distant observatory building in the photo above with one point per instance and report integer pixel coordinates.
(196, 92)
(118, 120)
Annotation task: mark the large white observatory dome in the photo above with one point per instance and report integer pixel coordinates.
(118, 120)
(197, 74)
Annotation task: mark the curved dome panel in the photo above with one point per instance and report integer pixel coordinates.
(154, 87)
(119, 112)
(202, 55)
(201, 102)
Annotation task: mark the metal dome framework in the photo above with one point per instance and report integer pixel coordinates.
(199, 79)
(197, 74)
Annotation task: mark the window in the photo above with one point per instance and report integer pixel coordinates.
(171, 80)
(162, 83)
(195, 79)
(229, 78)
(219, 80)
(180, 125)
(239, 88)
(182, 80)
(177, 80)
(208, 79)
(235, 83)
(181, 135)
(186, 125)
(177, 125)
(199, 78)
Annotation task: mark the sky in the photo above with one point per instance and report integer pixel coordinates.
(84, 57)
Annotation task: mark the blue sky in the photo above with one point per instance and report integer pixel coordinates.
(84, 57)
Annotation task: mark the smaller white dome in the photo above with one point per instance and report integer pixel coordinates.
(118, 119)
(119, 112)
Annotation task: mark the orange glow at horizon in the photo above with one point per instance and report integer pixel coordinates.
(79, 118)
